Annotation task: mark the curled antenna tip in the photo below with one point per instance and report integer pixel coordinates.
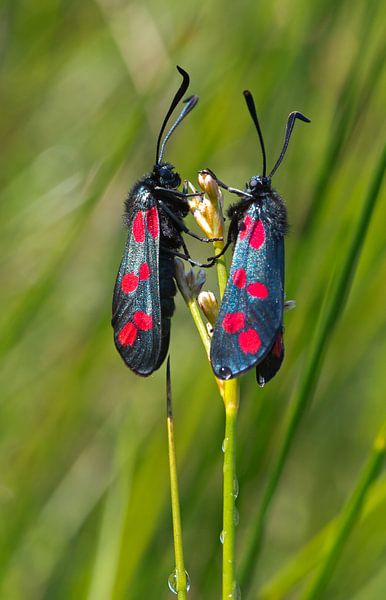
(299, 115)
(168, 391)
(177, 97)
(193, 99)
(182, 71)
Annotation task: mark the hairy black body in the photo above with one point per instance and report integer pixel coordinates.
(272, 209)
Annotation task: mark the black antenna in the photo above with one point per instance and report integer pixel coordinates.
(252, 111)
(290, 125)
(190, 103)
(180, 92)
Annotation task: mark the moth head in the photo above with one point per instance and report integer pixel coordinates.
(258, 183)
(166, 176)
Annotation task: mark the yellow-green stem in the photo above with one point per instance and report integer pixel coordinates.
(222, 272)
(181, 581)
(231, 401)
(195, 312)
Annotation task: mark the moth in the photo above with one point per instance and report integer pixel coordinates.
(143, 299)
(249, 328)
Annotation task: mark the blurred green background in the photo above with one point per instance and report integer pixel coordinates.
(84, 489)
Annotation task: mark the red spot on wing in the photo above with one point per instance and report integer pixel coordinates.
(239, 278)
(249, 341)
(258, 235)
(127, 335)
(152, 221)
(257, 290)
(129, 283)
(139, 227)
(144, 271)
(233, 322)
(245, 227)
(143, 321)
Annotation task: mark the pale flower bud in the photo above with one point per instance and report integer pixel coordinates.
(209, 185)
(209, 306)
(207, 210)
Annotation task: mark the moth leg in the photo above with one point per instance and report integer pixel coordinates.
(186, 257)
(232, 234)
(171, 192)
(182, 227)
(214, 258)
(187, 253)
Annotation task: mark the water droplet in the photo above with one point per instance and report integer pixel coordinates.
(236, 592)
(235, 488)
(261, 381)
(236, 517)
(224, 444)
(222, 536)
(172, 582)
(225, 373)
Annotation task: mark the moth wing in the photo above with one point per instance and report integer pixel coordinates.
(136, 301)
(251, 312)
(271, 363)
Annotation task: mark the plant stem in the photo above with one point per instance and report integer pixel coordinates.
(222, 272)
(231, 401)
(181, 581)
(348, 517)
(195, 312)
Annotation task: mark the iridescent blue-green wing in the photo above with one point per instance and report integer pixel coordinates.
(136, 301)
(251, 313)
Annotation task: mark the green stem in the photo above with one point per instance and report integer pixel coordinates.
(181, 580)
(222, 272)
(231, 401)
(195, 312)
(348, 517)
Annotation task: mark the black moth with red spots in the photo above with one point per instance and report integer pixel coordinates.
(249, 328)
(143, 301)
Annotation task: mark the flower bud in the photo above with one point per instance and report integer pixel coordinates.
(209, 306)
(209, 185)
(207, 210)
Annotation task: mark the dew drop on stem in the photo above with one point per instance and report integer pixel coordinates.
(225, 444)
(172, 582)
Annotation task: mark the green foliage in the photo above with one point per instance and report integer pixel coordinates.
(84, 491)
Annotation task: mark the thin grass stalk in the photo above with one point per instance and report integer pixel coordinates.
(209, 216)
(231, 403)
(228, 535)
(307, 387)
(348, 518)
(180, 573)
